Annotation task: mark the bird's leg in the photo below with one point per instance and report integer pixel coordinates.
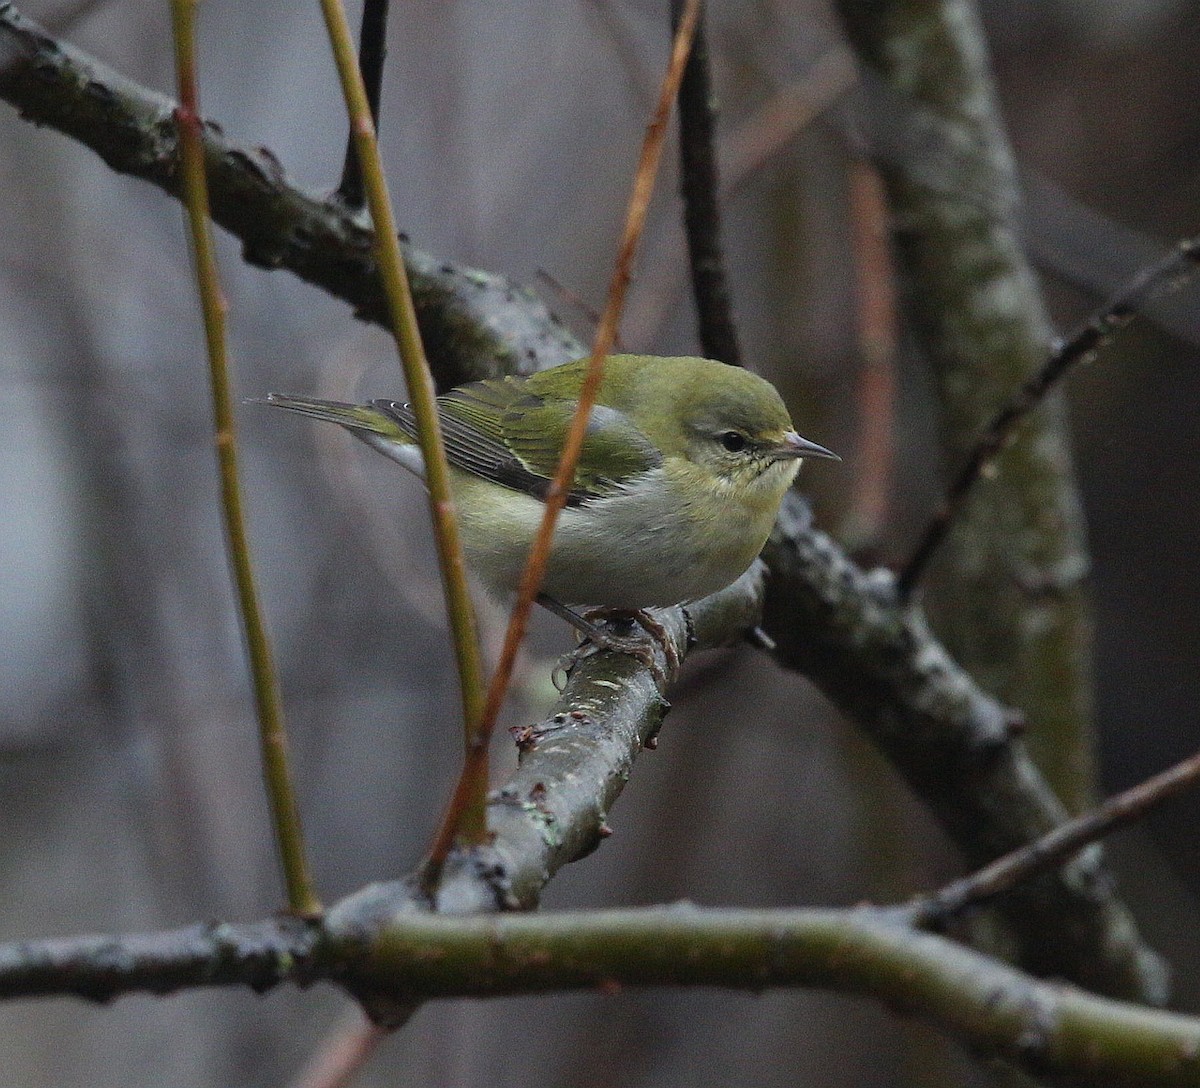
(601, 639)
(588, 630)
(646, 622)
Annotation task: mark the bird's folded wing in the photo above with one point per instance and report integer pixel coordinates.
(501, 431)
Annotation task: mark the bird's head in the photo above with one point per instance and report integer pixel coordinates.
(727, 424)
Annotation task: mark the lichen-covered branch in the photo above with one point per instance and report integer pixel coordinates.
(260, 955)
(411, 955)
(876, 659)
(575, 763)
(833, 622)
(476, 324)
(1008, 600)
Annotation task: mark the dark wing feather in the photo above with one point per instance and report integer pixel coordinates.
(500, 431)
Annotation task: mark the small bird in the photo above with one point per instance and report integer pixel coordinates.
(681, 475)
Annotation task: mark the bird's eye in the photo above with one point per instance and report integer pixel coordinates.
(733, 441)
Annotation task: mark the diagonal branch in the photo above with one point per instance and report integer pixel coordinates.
(472, 784)
(1168, 272)
(835, 623)
(1064, 841)
(956, 746)
(477, 324)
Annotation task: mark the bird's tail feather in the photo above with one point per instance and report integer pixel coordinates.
(376, 427)
(355, 417)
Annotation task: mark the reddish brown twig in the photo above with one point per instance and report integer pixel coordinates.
(342, 1054)
(470, 794)
(1058, 845)
(1170, 271)
(875, 310)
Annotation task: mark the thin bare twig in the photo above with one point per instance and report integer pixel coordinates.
(742, 152)
(285, 813)
(1058, 845)
(342, 1053)
(471, 792)
(420, 386)
(573, 298)
(876, 313)
(372, 52)
(1169, 272)
(699, 185)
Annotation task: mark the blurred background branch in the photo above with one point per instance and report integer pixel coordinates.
(1009, 597)
(941, 760)
(502, 163)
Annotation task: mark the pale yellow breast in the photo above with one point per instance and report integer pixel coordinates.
(655, 544)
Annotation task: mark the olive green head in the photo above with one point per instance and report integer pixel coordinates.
(723, 418)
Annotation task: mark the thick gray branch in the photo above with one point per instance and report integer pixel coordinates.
(878, 662)
(410, 956)
(1009, 600)
(261, 955)
(575, 763)
(832, 621)
(475, 324)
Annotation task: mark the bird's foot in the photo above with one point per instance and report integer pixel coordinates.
(633, 645)
(595, 638)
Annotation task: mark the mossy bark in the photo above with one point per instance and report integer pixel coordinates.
(1007, 593)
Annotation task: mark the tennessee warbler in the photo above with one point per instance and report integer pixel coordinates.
(681, 475)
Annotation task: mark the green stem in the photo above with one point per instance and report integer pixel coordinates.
(421, 390)
(468, 805)
(285, 814)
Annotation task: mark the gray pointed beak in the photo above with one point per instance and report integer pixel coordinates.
(795, 446)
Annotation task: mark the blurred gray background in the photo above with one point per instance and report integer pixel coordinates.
(128, 756)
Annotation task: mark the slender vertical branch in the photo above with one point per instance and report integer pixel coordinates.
(1010, 599)
(470, 795)
(285, 814)
(372, 52)
(700, 187)
(875, 310)
(420, 382)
